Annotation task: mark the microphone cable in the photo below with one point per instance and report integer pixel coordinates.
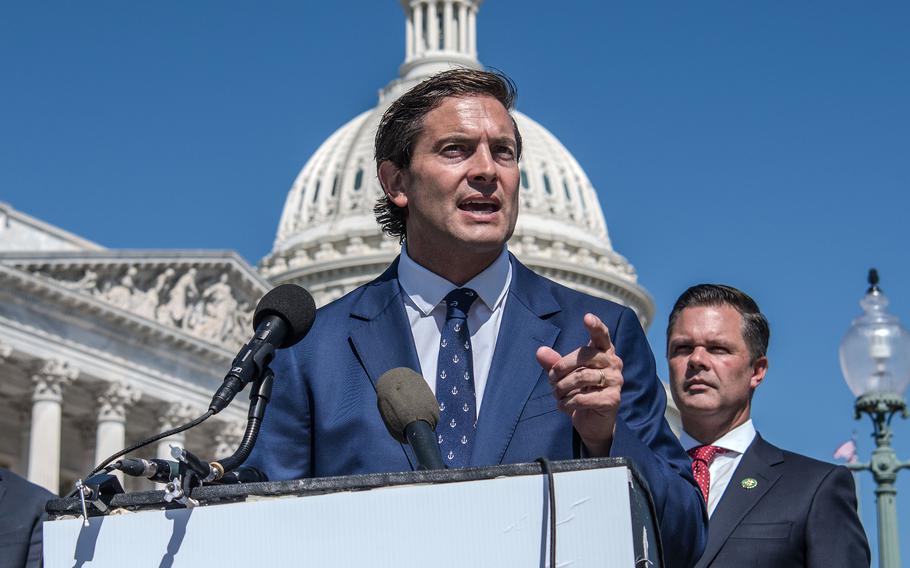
(148, 441)
(551, 494)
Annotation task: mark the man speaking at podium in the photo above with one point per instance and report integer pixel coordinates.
(522, 367)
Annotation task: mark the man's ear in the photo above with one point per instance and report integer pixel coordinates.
(392, 179)
(759, 368)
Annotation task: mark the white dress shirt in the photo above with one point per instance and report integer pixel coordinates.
(424, 292)
(736, 442)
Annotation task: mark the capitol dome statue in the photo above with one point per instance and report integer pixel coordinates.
(329, 242)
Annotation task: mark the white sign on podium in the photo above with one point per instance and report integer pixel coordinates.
(493, 521)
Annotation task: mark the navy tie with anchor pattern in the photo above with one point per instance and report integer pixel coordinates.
(455, 382)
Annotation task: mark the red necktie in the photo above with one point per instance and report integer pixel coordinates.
(702, 456)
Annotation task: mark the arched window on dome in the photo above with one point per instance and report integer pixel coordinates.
(581, 193)
(546, 184)
(316, 191)
(524, 178)
(300, 195)
(358, 179)
(565, 188)
(335, 186)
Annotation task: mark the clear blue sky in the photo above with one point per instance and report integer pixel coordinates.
(760, 144)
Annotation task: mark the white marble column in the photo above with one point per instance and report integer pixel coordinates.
(228, 438)
(47, 415)
(432, 27)
(463, 27)
(170, 416)
(472, 32)
(448, 26)
(409, 34)
(113, 402)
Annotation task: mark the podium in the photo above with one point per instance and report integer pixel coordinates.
(491, 516)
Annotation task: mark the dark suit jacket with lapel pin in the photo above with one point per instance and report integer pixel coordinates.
(791, 511)
(323, 419)
(21, 514)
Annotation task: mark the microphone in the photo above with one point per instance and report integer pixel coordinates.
(410, 413)
(282, 318)
(155, 469)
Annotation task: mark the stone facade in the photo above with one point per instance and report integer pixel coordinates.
(101, 348)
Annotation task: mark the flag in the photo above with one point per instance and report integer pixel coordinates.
(846, 451)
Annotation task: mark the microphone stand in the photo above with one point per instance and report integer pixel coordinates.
(226, 468)
(194, 472)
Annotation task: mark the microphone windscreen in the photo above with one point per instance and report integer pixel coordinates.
(404, 397)
(292, 304)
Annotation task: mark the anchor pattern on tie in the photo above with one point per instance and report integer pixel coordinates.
(455, 382)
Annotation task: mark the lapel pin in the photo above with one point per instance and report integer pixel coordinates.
(749, 483)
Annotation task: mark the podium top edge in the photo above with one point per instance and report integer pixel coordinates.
(214, 494)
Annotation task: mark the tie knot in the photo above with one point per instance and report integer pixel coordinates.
(458, 302)
(705, 453)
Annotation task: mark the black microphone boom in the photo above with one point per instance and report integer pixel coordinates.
(410, 413)
(282, 318)
(155, 469)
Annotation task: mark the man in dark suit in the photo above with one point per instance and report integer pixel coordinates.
(521, 366)
(767, 506)
(21, 514)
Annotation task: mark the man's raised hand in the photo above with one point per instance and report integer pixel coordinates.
(587, 384)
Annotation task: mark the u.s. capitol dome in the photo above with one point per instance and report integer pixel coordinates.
(328, 239)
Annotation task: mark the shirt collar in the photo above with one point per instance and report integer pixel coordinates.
(736, 440)
(427, 289)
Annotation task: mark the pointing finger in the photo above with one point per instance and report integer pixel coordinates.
(599, 332)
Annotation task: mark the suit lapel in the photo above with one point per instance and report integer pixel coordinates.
(514, 370)
(381, 336)
(737, 501)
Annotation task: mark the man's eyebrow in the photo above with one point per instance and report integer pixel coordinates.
(462, 137)
(455, 137)
(450, 138)
(679, 340)
(509, 140)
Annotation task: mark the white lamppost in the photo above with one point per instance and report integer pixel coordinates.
(875, 360)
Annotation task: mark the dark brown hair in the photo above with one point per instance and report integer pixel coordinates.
(756, 331)
(402, 124)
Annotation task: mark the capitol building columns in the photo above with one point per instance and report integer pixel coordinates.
(100, 349)
(46, 422)
(114, 400)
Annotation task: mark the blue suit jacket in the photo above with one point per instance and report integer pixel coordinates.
(800, 512)
(21, 516)
(323, 419)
